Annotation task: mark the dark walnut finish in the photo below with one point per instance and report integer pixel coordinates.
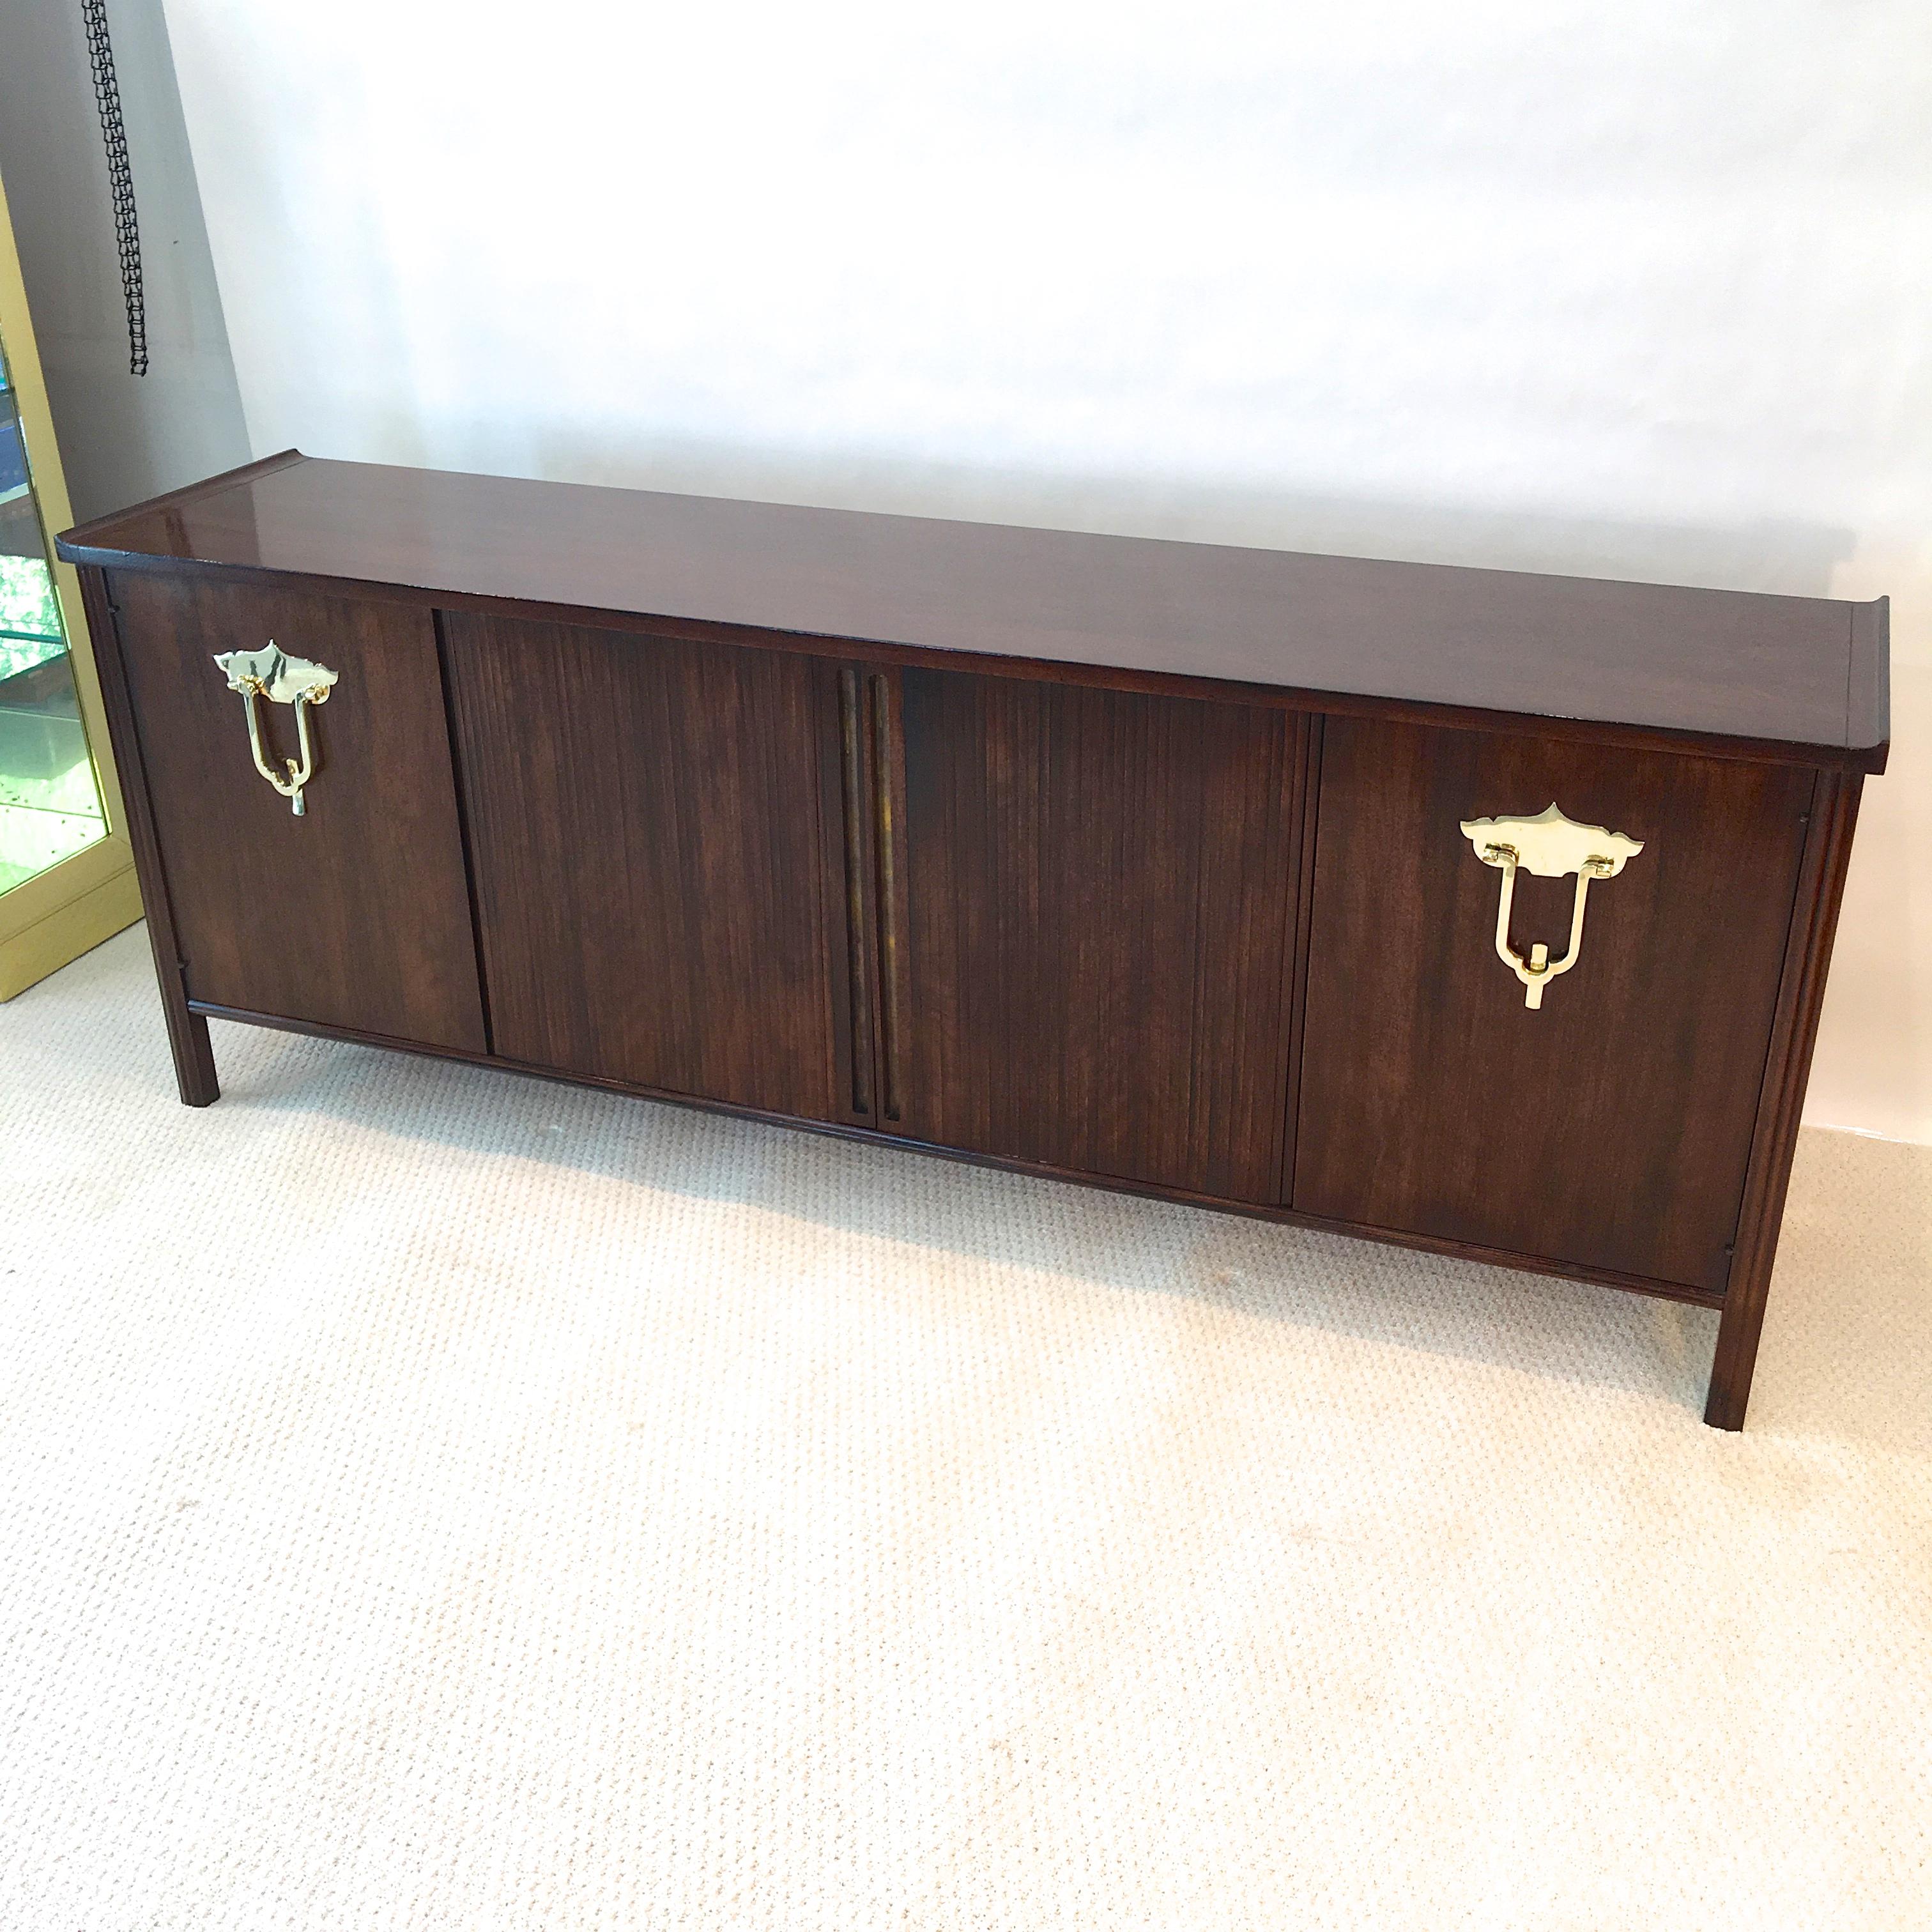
(1613, 1126)
(360, 920)
(1100, 891)
(649, 893)
(1139, 863)
(1636, 660)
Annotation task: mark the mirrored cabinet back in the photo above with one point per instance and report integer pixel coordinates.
(1483, 912)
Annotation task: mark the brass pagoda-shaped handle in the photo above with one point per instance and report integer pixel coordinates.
(271, 673)
(1551, 846)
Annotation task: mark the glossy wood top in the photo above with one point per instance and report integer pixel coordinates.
(1799, 675)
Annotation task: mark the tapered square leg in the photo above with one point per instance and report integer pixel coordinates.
(194, 1058)
(1739, 1328)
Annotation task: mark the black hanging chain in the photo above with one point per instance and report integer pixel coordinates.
(120, 180)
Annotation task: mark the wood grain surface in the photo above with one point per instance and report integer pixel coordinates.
(644, 829)
(1099, 902)
(1611, 1126)
(1730, 665)
(355, 915)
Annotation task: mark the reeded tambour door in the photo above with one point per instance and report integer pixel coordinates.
(1608, 1126)
(353, 913)
(1098, 916)
(646, 828)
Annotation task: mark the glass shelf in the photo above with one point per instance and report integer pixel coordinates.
(50, 805)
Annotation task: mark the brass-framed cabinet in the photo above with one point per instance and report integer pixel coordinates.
(67, 870)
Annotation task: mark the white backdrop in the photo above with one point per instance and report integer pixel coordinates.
(1631, 290)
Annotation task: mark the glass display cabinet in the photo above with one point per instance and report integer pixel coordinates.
(67, 878)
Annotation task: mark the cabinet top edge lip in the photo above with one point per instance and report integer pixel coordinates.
(1762, 673)
(96, 531)
(1865, 761)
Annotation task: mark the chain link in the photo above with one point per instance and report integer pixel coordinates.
(120, 181)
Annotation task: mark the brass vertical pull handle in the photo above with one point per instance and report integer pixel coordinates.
(858, 966)
(871, 788)
(1551, 846)
(886, 833)
(270, 673)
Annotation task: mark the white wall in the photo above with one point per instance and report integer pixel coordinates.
(122, 437)
(1639, 289)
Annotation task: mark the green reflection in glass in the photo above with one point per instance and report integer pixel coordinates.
(50, 805)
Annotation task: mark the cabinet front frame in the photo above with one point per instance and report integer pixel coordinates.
(1823, 866)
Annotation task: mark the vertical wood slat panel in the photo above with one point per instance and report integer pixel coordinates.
(647, 831)
(1099, 893)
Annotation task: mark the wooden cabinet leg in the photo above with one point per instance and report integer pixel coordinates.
(187, 1032)
(1738, 1330)
(194, 1058)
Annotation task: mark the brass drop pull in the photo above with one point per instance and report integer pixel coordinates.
(1551, 846)
(271, 673)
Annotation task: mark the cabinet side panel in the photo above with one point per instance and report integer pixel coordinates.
(188, 1033)
(1099, 891)
(1801, 998)
(354, 914)
(1612, 1127)
(645, 827)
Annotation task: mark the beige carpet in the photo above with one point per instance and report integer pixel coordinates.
(432, 1498)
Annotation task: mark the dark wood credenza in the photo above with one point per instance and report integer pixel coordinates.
(1149, 864)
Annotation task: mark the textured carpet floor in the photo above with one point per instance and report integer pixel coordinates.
(432, 1498)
